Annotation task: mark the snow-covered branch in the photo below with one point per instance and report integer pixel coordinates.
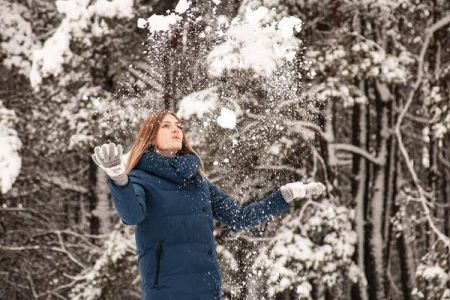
(357, 150)
(300, 126)
(429, 32)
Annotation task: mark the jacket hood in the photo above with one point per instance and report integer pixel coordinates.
(179, 169)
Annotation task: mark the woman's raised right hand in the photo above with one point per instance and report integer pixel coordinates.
(109, 158)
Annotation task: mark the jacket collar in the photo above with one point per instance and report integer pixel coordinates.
(179, 169)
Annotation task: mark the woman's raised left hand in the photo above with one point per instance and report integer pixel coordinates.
(299, 189)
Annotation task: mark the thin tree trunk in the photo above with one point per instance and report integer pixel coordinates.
(169, 70)
(389, 198)
(368, 263)
(377, 247)
(326, 122)
(359, 190)
(405, 250)
(445, 187)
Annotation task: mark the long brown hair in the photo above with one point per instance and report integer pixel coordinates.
(147, 136)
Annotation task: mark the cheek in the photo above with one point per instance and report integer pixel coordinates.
(165, 137)
(162, 135)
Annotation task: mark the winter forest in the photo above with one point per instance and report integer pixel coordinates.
(352, 93)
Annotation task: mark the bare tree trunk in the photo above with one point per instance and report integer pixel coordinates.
(389, 199)
(405, 250)
(326, 122)
(377, 243)
(168, 79)
(445, 187)
(359, 190)
(367, 198)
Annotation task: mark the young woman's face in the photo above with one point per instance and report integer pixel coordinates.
(170, 134)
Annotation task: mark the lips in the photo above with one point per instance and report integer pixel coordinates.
(176, 138)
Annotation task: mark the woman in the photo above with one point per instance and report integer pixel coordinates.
(163, 191)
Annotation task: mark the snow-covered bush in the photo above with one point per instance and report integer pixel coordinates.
(315, 246)
(118, 260)
(432, 277)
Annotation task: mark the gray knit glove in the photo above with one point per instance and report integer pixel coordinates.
(109, 158)
(300, 190)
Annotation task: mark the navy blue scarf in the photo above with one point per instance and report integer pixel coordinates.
(183, 169)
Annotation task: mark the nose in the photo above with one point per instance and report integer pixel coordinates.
(175, 129)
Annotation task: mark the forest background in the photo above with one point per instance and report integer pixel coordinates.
(352, 93)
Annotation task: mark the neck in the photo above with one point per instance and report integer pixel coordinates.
(166, 152)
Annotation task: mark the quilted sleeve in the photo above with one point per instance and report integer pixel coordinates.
(229, 212)
(129, 200)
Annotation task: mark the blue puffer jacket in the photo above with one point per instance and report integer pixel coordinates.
(173, 207)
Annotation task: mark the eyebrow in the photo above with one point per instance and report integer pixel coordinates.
(170, 122)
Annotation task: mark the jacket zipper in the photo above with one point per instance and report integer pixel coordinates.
(159, 252)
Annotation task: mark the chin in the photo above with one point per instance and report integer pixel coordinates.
(176, 147)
